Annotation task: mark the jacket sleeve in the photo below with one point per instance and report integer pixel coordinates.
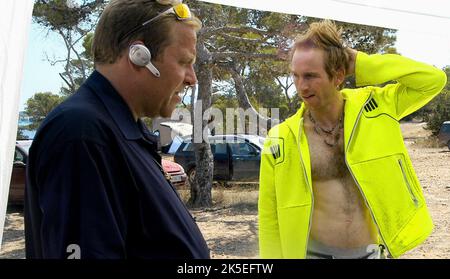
(269, 234)
(81, 203)
(417, 83)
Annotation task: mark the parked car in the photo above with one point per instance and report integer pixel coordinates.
(236, 157)
(444, 133)
(18, 176)
(176, 172)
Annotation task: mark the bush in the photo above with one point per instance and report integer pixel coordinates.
(439, 112)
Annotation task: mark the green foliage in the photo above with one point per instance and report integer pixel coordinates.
(369, 39)
(438, 110)
(20, 133)
(256, 44)
(39, 106)
(87, 46)
(57, 14)
(222, 102)
(78, 69)
(252, 32)
(73, 21)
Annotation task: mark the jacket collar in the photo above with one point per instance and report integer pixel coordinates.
(116, 106)
(295, 121)
(354, 101)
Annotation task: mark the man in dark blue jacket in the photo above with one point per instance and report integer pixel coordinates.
(95, 186)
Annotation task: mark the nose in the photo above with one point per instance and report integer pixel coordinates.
(301, 85)
(191, 78)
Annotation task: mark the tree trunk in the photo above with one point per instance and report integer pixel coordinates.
(263, 122)
(202, 183)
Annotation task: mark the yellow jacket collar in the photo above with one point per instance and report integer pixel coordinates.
(354, 101)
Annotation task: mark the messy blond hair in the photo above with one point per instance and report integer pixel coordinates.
(325, 35)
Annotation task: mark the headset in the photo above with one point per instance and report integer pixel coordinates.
(140, 55)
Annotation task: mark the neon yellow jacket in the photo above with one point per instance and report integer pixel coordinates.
(374, 153)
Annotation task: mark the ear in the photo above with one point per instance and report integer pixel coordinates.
(137, 43)
(127, 50)
(339, 78)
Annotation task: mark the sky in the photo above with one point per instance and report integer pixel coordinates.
(41, 76)
(38, 74)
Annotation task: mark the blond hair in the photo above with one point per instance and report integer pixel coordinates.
(325, 35)
(121, 16)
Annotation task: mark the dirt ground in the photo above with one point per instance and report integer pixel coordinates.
(230, 228)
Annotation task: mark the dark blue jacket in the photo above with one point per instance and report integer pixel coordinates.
(94, 180)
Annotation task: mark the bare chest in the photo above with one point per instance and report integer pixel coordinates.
(327, 162)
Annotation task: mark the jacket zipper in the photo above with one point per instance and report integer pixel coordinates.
(416, 202)
(310, 189)
(356, 182)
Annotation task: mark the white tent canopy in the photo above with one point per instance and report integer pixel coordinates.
(15, 18)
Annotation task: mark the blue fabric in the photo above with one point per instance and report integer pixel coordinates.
(94, 180)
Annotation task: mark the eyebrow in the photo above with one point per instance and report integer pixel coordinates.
(305, 73)
(311, 74)
(190, 58)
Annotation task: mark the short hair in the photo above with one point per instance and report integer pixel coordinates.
(325, 35)
(111, 36)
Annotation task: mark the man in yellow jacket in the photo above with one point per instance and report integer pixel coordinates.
(336, 180)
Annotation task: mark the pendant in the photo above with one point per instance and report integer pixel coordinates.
(329, 144)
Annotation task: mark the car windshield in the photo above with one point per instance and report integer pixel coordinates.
(25, 145)
(256, 140)
(176, 142)
(446, 128)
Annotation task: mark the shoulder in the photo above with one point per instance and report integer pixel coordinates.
(81, 116)
(279, 131)
(283, 129)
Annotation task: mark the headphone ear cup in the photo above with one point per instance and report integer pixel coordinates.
(139, 55)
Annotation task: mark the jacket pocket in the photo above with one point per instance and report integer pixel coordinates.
(407, 182)
(389, 191)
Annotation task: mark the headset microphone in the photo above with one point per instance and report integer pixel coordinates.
(140, 55)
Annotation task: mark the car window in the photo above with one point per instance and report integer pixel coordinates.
(189, 147)
(220, 148)
(241, 148)
(446, 128)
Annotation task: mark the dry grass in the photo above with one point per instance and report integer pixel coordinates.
(232, 195)
(429, 142)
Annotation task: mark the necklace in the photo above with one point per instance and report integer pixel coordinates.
(330, 136)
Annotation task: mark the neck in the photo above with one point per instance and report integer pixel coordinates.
(329, 114)
(122, 85)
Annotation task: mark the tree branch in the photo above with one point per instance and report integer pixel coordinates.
(242, 96)
(66, 68)
(65, 80)
(228, 29)
(218, 56)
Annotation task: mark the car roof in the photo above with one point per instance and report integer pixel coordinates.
(255, 139)
(446, 122)
(24, 145)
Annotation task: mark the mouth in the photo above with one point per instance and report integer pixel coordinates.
(307, 97)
